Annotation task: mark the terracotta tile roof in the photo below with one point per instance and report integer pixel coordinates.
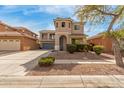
(23, 28)
(59, 18)
(47, 31)
(14, 31)
(16, 28)
(7, 33)
(95, 36)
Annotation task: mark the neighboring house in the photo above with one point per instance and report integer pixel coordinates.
(66, 32)
(17, 38)
(99, 39)
(105, 41)
(102, 40)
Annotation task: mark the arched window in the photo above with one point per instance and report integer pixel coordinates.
(63, 24)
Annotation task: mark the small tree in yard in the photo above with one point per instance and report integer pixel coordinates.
(113, 16)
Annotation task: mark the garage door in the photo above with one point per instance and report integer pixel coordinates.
(9, 44)
(48, 46)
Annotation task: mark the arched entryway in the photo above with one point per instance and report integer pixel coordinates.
(62, 42)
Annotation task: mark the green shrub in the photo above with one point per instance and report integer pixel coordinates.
(79, 47)
(51, 58)
(46, 61)
(98, 49)
(86, 47)
(71, 48)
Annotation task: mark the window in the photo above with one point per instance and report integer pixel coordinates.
(63, 24)
(51, 36)
(56, 25)
(34, 35)
(76, 27)
(69, 25)
(42, 36)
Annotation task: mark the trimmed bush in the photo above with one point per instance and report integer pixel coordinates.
(53, 58)
(79, 47)
(71, 48)
(98, 49)
(46, 61)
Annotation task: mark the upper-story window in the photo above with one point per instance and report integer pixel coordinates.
(34, 35)
(63, 24)
(69, 25)
(76, 27)
(44, 36)
(51, 36)
(56, 25)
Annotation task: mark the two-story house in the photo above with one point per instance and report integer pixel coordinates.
(17, 38)
(66, 32)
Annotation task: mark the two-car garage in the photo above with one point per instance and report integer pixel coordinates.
(17, 38)
(9, 44)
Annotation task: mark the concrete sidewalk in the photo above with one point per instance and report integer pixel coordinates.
(83, 81)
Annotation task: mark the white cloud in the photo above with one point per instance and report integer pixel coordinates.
(57, 10)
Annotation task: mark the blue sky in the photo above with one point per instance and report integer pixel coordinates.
(38, 18)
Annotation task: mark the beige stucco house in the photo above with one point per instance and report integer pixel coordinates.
(66, 32)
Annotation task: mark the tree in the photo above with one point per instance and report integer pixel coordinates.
(113, 15)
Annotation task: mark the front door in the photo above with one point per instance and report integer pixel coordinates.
(62, 42)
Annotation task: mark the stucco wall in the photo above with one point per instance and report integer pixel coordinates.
(106, 42)
(63, 29)
(29, 44)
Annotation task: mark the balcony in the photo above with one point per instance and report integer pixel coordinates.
(47, 37)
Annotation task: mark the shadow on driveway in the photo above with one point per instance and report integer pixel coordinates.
(33, 63)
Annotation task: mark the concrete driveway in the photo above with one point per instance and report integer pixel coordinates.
(19, 63)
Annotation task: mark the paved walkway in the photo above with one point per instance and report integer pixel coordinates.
(19, 63)
(82, 81)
